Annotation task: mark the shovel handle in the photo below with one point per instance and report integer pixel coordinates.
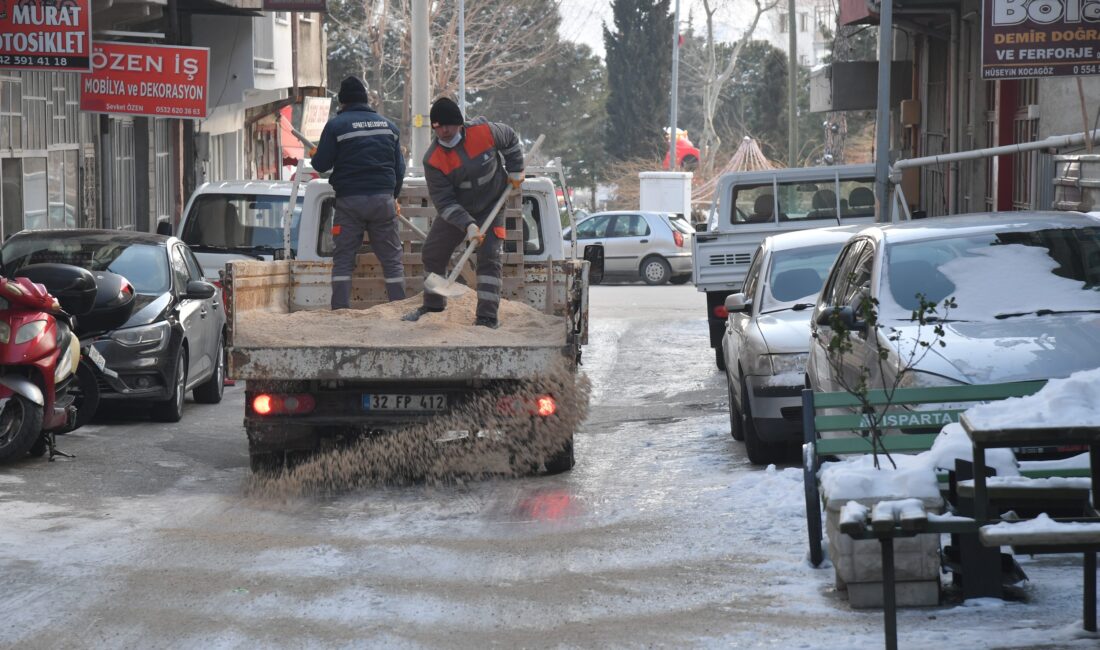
(484, 228)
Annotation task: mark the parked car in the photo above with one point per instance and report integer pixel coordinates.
(174, 340)
(766, 340)
(651, 246)
(1026, 285)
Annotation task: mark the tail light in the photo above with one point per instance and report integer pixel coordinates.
(721, 312)
(546, 406)
(279, 404)
(542, 406)
(678, 238)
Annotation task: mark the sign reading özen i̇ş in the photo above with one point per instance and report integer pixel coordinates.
(159, 80)
(1040, 38)
(40, 35)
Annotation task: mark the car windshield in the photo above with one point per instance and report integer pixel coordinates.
(797, 275)
(239, 222)
(144, 265)
(995, 274)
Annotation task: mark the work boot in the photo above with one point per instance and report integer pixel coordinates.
(485, 321)
(415, 314)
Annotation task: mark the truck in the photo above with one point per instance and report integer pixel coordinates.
(305, 393)
(750, 206)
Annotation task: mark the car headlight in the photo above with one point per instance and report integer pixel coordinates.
(918, 379)
(154, 336)
(29, 331)
(783, 364)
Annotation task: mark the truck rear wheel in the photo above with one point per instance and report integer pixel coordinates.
(266, 463)
(562, 461)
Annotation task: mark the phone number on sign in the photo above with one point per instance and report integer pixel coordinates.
(178, 110)
(51, 61)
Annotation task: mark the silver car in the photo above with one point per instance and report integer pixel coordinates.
(651, 246)
(766, 341)
(1026, 285)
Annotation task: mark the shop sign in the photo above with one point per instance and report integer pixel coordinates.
(156, 80)
(46, 35)
(315, 111)
(294, 5)
(1040, 38)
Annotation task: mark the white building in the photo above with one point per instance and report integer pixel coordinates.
(810, 16)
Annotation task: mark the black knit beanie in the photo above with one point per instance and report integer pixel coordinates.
(352, 91)
(445, 111)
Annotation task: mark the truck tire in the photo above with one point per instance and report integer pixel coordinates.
(266, 463)
(680, 279)
(719, 358)
(655, 270)
(562, 461)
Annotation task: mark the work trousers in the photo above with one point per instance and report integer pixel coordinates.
(443, 239)
(376, 215)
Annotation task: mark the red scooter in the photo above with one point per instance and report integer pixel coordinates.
(39, 356)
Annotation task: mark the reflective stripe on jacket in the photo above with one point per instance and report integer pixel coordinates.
(468, 179)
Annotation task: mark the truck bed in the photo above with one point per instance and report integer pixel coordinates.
(280, 328)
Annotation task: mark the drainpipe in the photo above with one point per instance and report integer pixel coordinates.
(955, 123)
(882, 114)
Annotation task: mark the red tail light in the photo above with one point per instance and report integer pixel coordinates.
(720, 311)
(546, 406)
(678, 238)
(542, 406)
(274, 404)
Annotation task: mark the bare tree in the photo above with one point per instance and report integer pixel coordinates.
(717, 74)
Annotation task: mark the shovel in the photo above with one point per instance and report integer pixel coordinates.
(445, 286)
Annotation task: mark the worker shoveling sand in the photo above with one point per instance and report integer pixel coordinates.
(511, 439)
(381, 326)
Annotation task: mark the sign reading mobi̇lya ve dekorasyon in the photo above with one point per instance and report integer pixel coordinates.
(46, 35)
(157, 80)
(1024, 39)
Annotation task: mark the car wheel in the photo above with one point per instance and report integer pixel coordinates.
(737, 430)
(210, 391)
(655, 270)
(171, 409)
(759, 452)
(719, 358)
(680, 279)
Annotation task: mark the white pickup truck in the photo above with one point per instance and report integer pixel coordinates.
(750, 206)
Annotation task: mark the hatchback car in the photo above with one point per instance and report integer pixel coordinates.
(651, 246)
(174, 340)
(766, 340)
(1026, 287)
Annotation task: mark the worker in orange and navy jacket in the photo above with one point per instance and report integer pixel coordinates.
(467, 167)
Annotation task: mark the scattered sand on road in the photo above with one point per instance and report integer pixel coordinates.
(504, 444)
(381, 326)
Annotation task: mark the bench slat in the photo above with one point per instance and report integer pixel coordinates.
(860, 445)
(888, 420)
(967, 393)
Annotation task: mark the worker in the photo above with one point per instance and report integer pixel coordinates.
(364, 152)
(467, 167)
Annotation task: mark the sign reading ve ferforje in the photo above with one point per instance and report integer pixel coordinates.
(158, 80)
(294, 5)
(1040, 38)
(46, 35)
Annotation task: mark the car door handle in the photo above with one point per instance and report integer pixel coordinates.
(644, 241)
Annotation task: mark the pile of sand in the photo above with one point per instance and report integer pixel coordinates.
(444, 449)
(381, 326)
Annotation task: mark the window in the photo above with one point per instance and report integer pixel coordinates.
(122, 211)
(263, 44)
(282, 17)
(783, 23)
(801, 201)
(11, 112)
(803, 22)
(837, 284)
(593, 228)
(797, 275)
(164, 196)
(629, 225)
(753, 274)
(11, 195)
(180, 272)
(532, 227)
(243, 221)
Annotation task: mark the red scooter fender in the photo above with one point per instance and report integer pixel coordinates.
(22, 386)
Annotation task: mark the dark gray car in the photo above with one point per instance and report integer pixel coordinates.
(173, 342)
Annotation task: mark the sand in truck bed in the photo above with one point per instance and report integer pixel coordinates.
(381, 326)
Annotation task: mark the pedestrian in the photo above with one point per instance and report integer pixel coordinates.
(467, 167)
(364, 151)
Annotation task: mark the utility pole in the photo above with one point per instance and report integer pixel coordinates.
(792, 86)
(882, 112)
(675, 81)
(421, 42)
(462, 56)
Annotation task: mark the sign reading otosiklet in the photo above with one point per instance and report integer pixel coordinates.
(1040, 38)
(39, 35)
(158, 80)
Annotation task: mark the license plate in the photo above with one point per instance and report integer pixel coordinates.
(97, 358)
(404, 402)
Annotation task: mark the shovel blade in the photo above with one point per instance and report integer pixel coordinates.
(441, 286)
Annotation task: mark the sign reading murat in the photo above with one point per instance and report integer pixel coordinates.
(1040, 38)
(46, 35)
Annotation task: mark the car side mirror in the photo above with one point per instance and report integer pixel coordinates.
(200, 290)
(593, 254)
(736, 303)
(164, 228)
(701, 227)
(846, 316)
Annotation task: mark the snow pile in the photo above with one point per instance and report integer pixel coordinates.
(1070, 402)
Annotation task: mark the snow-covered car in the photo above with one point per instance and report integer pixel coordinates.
(1026, 286)
(766, 340)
